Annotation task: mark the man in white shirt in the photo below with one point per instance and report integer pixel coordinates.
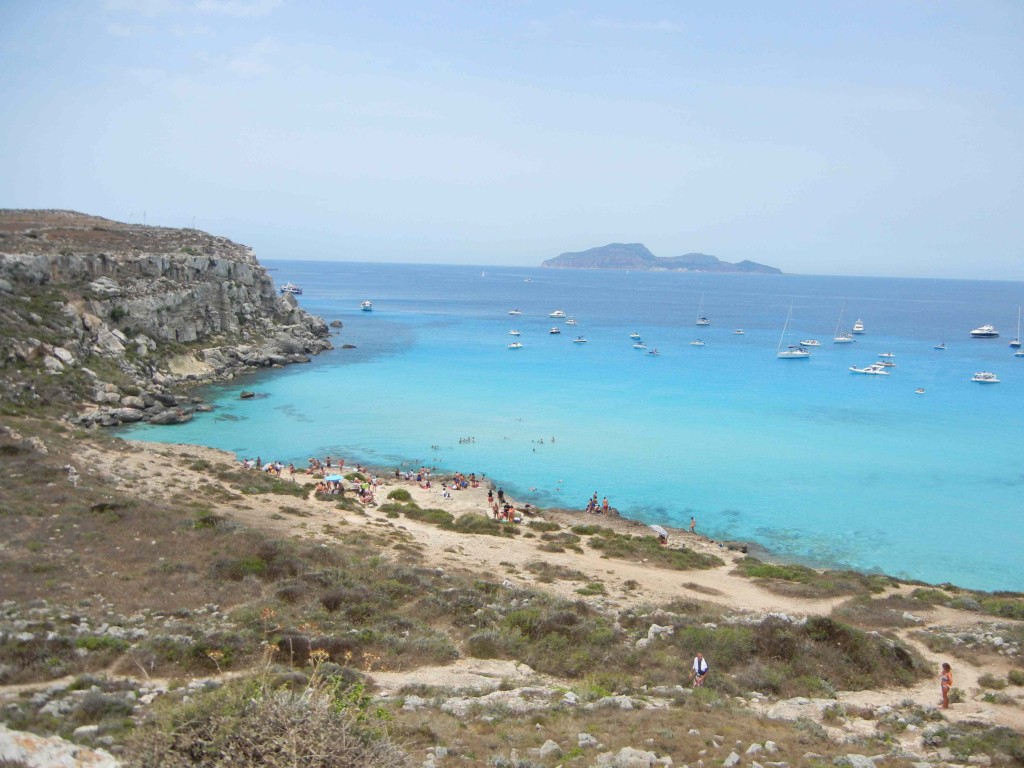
(699, 671)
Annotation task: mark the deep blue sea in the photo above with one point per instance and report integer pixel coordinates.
(814, 463)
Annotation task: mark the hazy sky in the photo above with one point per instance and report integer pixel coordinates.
(863, 137)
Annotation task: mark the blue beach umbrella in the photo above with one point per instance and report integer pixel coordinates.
(333, 478)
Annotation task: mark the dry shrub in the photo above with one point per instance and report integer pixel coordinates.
(317, 727)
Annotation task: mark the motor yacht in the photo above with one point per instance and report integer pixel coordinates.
(366, 306)
(634, 335)
(985, 332)
(858, 327)
(985, 377)
(639, 345)
(557, 314)
(555, 329)
(516, 345)
(291, 288)
(875, 369)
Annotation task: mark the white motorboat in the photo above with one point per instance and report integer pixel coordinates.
(579, 340)
(557, 314)
(516, 345)
(515, 312)
(941, 345)
(858, 327)
(639, 345)
(985, 332)
(810, 343)
(571, 321)
(875, 369)
(985, 377)
(291, 288)
(696, 343)
(919, 391)
(555, 329)
(887, 355)
(634, 335)
(366, 306)
(793, 352)
(886, 363)
(738, 332)
(1019, 353)
(701, 320)
(514, 333)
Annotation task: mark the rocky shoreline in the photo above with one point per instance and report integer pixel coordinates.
(135, 316)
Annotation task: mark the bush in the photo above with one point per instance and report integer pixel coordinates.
(321, 726)
(648, 548)
(400, 495)
(1015, 677)
(474, 523)
(988, 680)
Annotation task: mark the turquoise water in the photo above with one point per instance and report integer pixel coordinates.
(816, 464)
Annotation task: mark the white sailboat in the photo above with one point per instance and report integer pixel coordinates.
(792, 352)
(842, 338)
(1016, 341)
(701, 320)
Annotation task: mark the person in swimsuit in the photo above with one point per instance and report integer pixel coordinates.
(945, 683)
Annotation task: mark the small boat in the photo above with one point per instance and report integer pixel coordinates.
(634, 335)
(366, 306)
(985, 377)
(875, 369)
(940, 346)
(886, 363)
(515, 312)
(639, 345)
(555, 329)
(858, 327)
(793, 352)
(696, 343)
(579, 340)
(888, 355)
(1016, 341)
(291, 288)
(557, 313)
(1019, 353)
(842, 338)
(738, 332)
(985, 332)
(919, 391)
(654, 352)
(514, 333)
(810, 343)
(516, 345)
(571, 321)
(701, 320)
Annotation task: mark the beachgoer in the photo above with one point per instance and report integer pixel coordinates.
(501, 496)
(945, 683)
(700, 670)
(604, 505)
(693, 525)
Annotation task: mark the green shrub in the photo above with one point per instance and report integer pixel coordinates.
(1015, 677)
(401, 495)
(437, 517)
(649, 549)
(543, 526)
(988, 680)
(479, 524)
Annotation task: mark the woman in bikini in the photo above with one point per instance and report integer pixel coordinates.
(946, 682)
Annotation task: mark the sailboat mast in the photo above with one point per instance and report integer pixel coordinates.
(784, 327)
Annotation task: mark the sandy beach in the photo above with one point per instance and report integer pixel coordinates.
(626, 583)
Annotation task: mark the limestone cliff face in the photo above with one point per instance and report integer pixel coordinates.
(166, 306)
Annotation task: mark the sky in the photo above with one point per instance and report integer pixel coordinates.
(867, 137)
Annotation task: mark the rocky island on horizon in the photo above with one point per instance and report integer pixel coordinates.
(636, 256)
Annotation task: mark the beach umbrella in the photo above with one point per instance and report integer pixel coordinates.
(333, 478)
(659, 530)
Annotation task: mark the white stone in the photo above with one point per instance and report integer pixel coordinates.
(550, 749)
(731, 760)
(585, 740)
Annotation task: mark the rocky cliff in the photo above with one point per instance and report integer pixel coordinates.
(118, 319)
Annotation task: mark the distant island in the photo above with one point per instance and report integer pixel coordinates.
(637, 256)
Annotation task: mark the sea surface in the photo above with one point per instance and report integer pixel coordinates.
(813, 463)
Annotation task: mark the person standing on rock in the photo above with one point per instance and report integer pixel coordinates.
(945, 683)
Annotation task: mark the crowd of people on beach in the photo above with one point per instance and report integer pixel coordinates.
(594, 508)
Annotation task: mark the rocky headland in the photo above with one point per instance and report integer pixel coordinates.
(118, 321)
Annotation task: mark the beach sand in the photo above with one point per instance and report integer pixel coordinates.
(496, 556)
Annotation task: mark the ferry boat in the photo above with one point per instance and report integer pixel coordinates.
(985, 377)
(366, 306)
(985, 332)
(291, 288)
(557, 313)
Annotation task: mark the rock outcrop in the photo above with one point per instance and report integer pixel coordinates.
(128, 314)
